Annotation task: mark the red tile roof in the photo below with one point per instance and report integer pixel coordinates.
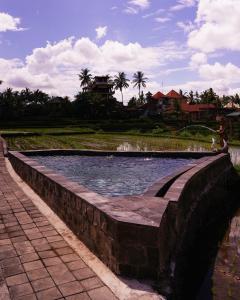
(196, 107)
(174, 94)
(158, 96)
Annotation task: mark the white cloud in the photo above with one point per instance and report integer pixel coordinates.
(181, 4)
(162, 19)
(229, 72)
(217, 26)
(186, 26)
(143, 4)
(101, 32)
(198, 59)
(153, 14)
(134, 6)
(131, 10)
(54, 68)
(9, 23)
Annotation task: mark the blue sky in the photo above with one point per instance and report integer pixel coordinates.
(187, 44)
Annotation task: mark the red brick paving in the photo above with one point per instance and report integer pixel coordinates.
(35, 261)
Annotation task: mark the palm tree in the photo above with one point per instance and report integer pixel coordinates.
(85, 77)
(139, 80)
(121, 82)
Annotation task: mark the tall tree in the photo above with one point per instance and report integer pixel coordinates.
(120, 82)
(85, 77)
(139, 80)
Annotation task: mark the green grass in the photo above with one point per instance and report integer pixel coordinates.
(101, 141)
(164, 132)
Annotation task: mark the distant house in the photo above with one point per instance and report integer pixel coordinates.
(101, 85)
(163, 104)
(195, 112)
(172, 102)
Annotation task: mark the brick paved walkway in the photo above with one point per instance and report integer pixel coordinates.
(35, 261)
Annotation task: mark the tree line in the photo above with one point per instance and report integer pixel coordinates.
(120, 81)
(28, 104)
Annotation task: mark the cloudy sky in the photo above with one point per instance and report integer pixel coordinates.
(187, 44)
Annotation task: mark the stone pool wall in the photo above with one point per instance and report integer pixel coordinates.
(138, 235)
(122, 239)
(198, 203)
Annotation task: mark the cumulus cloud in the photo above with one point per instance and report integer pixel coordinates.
(217, 26)
(229, 72)
(54, 68)
(198, 59)
(9, 23)
(101, 32)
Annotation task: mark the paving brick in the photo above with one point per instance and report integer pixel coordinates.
(27, 297)
(52, 261)
(11, 270)
(17, 239)
(29, 257)
(7, 253)
(29, 266)
(23, 247)
(37, 274)
(10, 261)
(28, 226)
(49, 233)
(5, 242)
(69, 257)
(43, 223)
(59, 244)
(34, 236)
(20, 290)
(63, 251)
(15, 233)
(46, 254)
(41, 244)
(42, 284)
(46, 228)
(91, 283)
(81, 296)
(70, 288)
(83, 273)
(31, 230)
(54, 238)
(75, 265)
(101, 293)
(17, 279)
(60, 274)
(50, 294)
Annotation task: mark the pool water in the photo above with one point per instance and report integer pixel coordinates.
(112, 175)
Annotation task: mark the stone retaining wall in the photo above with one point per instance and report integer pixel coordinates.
(123, 240)
(137, 236)
(199, 202)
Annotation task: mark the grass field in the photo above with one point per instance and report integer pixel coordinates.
(101, 141)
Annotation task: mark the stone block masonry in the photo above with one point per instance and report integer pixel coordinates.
(123, 233)
(35, 261)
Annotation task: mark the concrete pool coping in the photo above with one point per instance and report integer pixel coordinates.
(123, 234)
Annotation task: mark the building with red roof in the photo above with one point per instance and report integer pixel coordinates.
(161, 104)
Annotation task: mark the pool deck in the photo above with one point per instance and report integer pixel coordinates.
(38, 258)
(35, 261)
